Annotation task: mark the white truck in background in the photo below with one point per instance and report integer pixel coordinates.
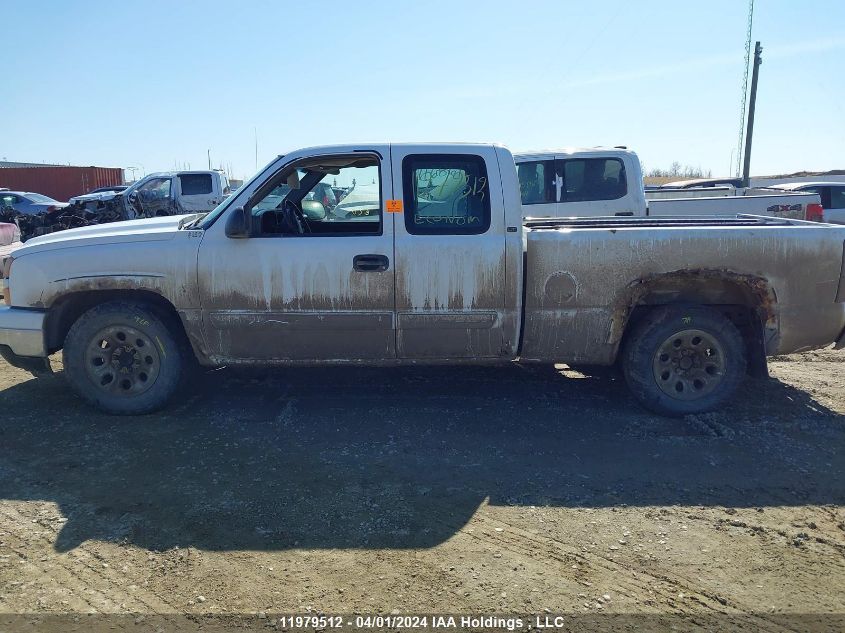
(159, 194)
(608, 182)
(832, 194)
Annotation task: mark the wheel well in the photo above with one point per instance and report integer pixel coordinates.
(746, 301)
(67, 309)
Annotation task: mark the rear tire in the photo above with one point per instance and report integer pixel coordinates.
(124, 358)
(683, 360)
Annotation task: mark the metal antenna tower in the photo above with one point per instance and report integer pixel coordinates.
(744, 88)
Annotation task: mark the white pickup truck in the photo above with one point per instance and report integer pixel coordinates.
(158, 194)
(423, 258)
(609, 182)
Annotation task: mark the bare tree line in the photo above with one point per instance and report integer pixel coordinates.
(676, 170)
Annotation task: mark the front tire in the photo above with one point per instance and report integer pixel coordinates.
(683, 360)
(123, 358)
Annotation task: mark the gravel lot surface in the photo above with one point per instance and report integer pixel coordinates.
(523, 490)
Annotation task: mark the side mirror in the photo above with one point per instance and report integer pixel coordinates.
(238, 224)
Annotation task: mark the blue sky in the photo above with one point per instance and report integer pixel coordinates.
(155, 84)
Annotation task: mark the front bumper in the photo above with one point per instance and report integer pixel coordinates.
(22, 338)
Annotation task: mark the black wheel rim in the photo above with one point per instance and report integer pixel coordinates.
(689, 365)
(122, 361)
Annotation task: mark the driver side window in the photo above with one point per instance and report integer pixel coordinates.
(330, 195)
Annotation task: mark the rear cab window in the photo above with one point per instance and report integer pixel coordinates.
(445, 194)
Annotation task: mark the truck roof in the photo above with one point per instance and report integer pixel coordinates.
(791, 186)
(702, 182)
(576, 151)
(168, 174)
(352, 147)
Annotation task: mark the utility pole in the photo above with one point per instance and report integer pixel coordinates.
(744, 99)
(746, 164)
(209, 160)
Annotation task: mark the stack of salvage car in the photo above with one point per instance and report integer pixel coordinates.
(33, 225)
(155, 195)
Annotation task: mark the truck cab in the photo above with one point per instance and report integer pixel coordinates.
(600, 181)
(175, 193)
(410, 263)
(581, 182)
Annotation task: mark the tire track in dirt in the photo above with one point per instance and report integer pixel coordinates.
(637, 582)
(89, 572)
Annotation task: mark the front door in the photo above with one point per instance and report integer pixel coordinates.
(314, 289)
(450, 253)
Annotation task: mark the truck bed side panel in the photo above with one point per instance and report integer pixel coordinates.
(788, 206)
(582, 282)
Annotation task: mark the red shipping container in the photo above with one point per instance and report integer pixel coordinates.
(60, 183)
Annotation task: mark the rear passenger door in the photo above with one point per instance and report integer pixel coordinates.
(592, 187)
(450, 253)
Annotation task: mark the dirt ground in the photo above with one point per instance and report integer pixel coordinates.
(521, 490)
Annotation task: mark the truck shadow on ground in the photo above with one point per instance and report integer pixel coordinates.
(397, 458)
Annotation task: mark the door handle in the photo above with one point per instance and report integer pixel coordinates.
(625, 213)
(370, 263)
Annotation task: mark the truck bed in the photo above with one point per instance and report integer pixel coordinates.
(583, 275)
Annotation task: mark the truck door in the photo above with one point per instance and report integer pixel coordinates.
(450, 253)
(595, 186)
(153, 198)
(198, 192)
(314, 289)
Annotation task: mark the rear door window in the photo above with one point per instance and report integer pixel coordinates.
(586, 179)
(837, 197)
(537, 182)
(445, 194)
